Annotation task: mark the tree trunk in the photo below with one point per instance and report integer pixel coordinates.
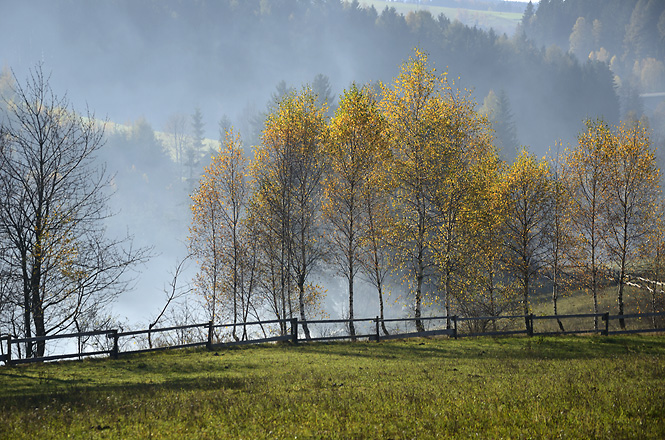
(282, 294)
(301, 299)
(383, 324)
(284, 286)
(150, 334)
(235, 318)
(492, 299)
(622, 322)
(622, 272)
(301, 281)
(448, 302)
(419, 285)
(27, 308)
(525, 300)
(653, 303)
(377, 271)
(38, 318)
(235, 313)
(594, 274)
(35, 290)
(594, 289)
(555, 297)
(352, 328)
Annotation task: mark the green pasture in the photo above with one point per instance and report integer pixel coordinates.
(500, 21)
(558, 387)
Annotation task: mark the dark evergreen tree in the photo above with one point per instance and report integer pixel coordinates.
(195, 150)
(642, 34)
(497, 109)
(197, 129)
(224, 126)
(323, 91)
(527, 18)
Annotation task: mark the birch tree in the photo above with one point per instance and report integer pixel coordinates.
(288, 172)
(652, 252)
(632, 196)
(218, 234)
(414, 112)
(466, 136)
(559, 239)
(55, 253)
(586, 184)
(485, 292)
(355, 145)
(436, 137)
(526, 192)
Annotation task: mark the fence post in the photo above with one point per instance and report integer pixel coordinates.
(454, 318)
(378, 334)
(294, 330)
(9, 350)
(114, 351)
(529, 330)
(606, 318)
(210, 333)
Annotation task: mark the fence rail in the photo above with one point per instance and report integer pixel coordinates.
(7, 358)
(453, 328)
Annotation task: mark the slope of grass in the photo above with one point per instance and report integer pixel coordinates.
(502, 22)
(576, 387)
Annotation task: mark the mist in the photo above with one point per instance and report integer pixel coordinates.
(138, 62)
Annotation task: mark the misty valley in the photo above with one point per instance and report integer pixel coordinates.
(171, 163)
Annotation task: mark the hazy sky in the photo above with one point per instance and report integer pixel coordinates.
(155, 67)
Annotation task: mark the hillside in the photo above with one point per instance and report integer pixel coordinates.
(500, 21)
(154, 59)
(627, 35)
(574, 387)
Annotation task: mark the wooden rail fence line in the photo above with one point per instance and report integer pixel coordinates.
(208, 329)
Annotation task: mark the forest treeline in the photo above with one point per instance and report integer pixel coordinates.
(227, 57)
(627, 35)
(502, 6)
(404, 183)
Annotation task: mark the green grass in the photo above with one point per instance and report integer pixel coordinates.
(500, 21)
(579, 301)
(575, 387)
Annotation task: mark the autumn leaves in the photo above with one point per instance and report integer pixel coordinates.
(404, 183)
(583, 219)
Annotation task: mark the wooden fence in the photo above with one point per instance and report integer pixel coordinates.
(210, 334)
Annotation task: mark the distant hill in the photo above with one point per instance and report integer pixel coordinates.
(627, 35)
(503, 17)
(151, 59)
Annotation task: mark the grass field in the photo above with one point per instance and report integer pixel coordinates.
(571, 387)
(500, 21)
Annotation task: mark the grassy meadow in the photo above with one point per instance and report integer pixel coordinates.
(552, 387)
(500, 21)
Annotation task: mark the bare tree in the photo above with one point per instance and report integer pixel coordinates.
(173, 292)
(53, 202)
(559, 240)
(176, 127)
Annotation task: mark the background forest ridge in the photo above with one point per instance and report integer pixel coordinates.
(561, 79)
